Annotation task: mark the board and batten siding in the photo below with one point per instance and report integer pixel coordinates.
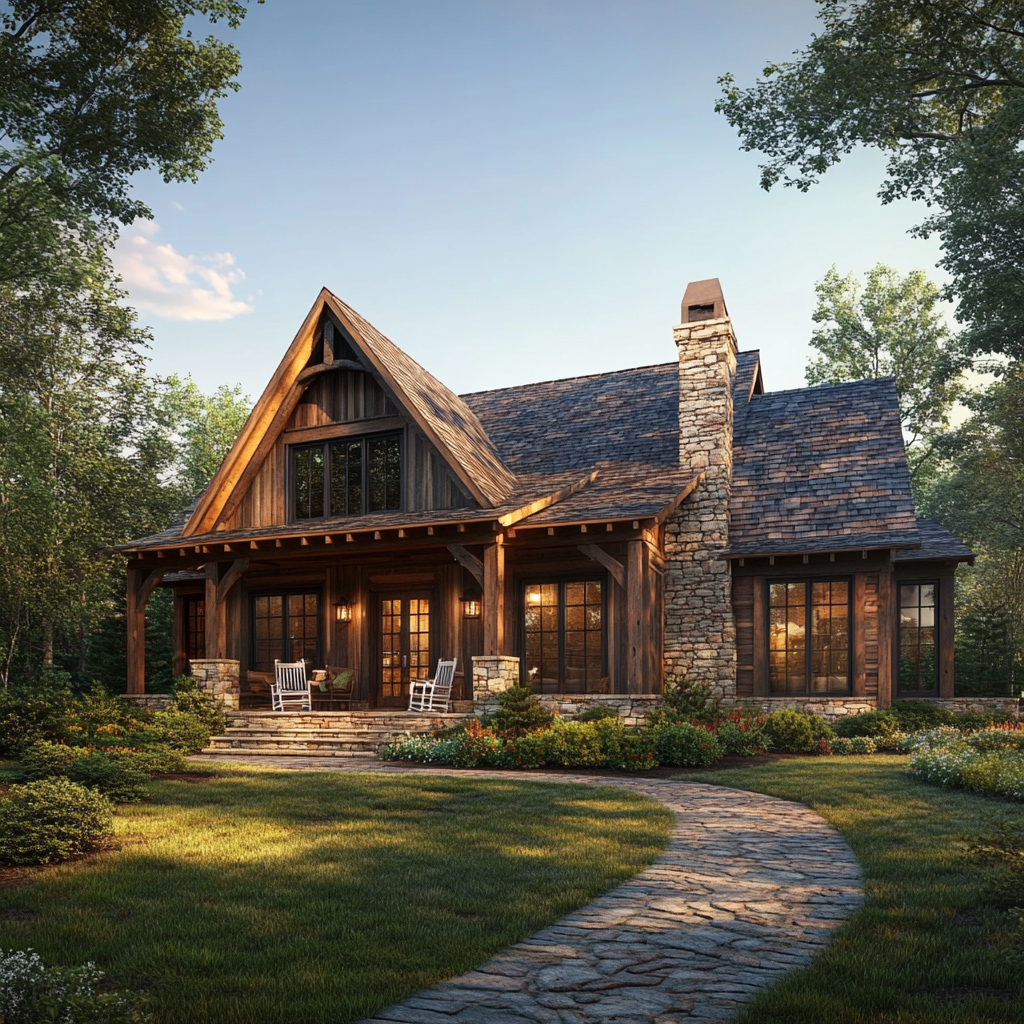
(344, 398)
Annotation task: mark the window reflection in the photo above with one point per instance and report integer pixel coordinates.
(809, 636)
(564, 637)
(918, 665)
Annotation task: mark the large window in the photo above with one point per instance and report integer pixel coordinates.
(564, 631)
(347, 477)
(918, 668)
(286, 627)
(195, 627)
(809, 636)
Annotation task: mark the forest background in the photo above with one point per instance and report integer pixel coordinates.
(95, 449)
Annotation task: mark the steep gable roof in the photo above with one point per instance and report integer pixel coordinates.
(821, 469)
(446, 421)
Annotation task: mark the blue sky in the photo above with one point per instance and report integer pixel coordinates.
(511, 191)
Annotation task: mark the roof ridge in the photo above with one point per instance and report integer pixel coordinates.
(818, 387)
(559, 380)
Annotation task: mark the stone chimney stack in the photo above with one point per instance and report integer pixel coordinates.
(700, 638)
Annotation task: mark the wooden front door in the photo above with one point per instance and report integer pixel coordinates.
(406, 637)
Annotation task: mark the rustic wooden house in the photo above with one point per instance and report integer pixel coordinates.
(585, 536)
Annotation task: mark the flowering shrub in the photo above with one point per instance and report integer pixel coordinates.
(845, 745)
(31, 993)
(988, 761)
(51, 820)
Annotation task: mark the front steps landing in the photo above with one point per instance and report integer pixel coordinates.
(321, 733)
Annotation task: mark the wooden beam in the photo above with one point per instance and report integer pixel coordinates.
(663, 515)
(860, 597)
(312, 372)
(946, 625)
(300, 435)
(136, 623)
(231, 577)
(635, 617)
(494, 598)
(549, 499)
(613, 565)
(469, 561)
(148, 585)
(215, 617)
(886, 637)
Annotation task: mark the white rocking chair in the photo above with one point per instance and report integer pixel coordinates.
(290, 686)
(433, 694)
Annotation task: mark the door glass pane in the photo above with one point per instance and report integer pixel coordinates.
(269, 622)
(391, 648)
(419, 639)
(302, 628)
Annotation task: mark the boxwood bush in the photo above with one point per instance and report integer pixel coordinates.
(51, 820)
(793, 732)
(119, 775)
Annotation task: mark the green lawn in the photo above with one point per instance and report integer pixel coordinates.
(277, 896)
(931, 944)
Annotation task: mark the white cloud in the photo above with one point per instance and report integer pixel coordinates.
(162, 281)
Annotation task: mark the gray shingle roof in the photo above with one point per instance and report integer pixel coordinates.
(936, 543)
(821, 469)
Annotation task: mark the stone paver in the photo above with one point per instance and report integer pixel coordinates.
(750, 887)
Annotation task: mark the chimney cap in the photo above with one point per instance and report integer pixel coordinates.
(703, 300)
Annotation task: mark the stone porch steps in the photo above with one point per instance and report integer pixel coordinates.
(320, 733)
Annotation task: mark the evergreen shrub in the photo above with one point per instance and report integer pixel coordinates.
(519, 712)
(686, 746)
(52, 820)
(792, 732)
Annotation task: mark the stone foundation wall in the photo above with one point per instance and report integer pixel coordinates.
(152, 701)
(493, 674)
(1009, 705)
(829, 708)
(220, 678)
(700, 635)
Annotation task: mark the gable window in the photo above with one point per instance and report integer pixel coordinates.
(918, 666)
(564, 633)
(286, 627)
(347, 477)
(809, 636)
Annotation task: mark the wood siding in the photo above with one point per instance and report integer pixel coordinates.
(342, 398)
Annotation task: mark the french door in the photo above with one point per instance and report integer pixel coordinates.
(406, 630)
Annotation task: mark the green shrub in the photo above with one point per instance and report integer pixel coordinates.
(191, 699)
(51, 820)
(862, 745)
(689, 702)
(686, 746)
(571, 745)
(157, 760)
(736, 740)
(118, 775)
(868, 723)
(915, 715)
(520, 712)
(790, 732)
(596, 714)
(982, 719)
(30, 713)
(31, 993)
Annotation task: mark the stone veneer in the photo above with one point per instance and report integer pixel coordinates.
(1009, 705)
(151, 701)
(829, 708)
(220, 678)
(700, 635)
(493, 674)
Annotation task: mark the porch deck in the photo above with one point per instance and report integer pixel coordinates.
(322, 733)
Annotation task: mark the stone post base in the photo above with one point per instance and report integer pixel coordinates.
(493, 674)
(219, 678)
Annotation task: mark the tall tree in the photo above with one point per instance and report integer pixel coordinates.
(890, 327)
(936, 85)
(91, 92)
(83, 451)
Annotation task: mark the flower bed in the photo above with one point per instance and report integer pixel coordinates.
(987, 761)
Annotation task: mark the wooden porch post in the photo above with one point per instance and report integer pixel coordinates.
(494, 597)
(886, 636)
(946, 618)
(635, 633)
(136, 621)
(216, 620)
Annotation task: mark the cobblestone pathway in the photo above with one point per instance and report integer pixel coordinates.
(750, 887)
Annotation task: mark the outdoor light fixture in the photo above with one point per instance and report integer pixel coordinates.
(343, 611)
(470, 606)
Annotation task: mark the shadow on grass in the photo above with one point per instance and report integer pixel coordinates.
(276, 896)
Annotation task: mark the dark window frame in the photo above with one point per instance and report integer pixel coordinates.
(929, 582)
(561, 582)
(194, 620)
(285, 593)
(325, 446)
(809, 581)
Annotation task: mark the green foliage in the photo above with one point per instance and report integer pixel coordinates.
(52, 820)
(119, 776)
(790, 732)
(29, 713)
(519, 711)
(938, 86)
(742, 739)
(686, 746)
(689, 702)
(595, 714)
(572, 745)
(31, 993)
(913, 715)
(868, 723)
(889, 328)
(192, 716)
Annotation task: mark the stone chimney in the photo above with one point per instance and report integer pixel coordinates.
(700, 637)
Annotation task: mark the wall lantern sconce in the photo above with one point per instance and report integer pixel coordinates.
(343, 611)
(470, 606)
